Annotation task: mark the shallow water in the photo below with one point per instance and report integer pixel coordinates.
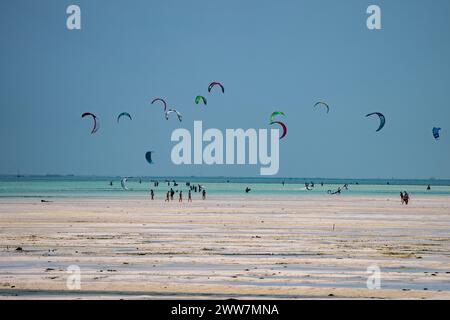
(72, 186)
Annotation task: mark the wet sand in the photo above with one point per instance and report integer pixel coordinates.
(226, 247)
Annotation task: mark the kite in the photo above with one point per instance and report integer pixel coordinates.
(123, 183)
(274, 114)
(148, 157)
(172, 111)
(94, 117)
(436, 133)
(282, 126)
(382, 119)
(123, 114)
(200, 98)
(161, 100)
(324, 104)
(212, 84)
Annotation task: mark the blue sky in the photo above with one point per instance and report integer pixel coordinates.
(270, 55)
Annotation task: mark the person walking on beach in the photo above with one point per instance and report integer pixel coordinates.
(402, 197)
(204, 194)
(152, 194)
(189, 196)
(167, 196)
(181, 197)
(171, 194)
(406, 197)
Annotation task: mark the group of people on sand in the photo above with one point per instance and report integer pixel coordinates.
(404, 197)
(171, 193)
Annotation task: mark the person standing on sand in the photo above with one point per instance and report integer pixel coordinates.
(167, 197)
(401, 197)
(204, 194)
(406, 197)
(181, 197)
(189, 196)
(152, 194)
(171, 194)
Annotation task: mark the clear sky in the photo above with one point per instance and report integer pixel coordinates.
(270, 55)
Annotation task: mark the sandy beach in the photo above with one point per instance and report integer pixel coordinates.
(225, 247)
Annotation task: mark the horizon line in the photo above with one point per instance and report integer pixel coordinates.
(217, 177)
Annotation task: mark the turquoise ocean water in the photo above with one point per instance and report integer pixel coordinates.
(73, 186)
